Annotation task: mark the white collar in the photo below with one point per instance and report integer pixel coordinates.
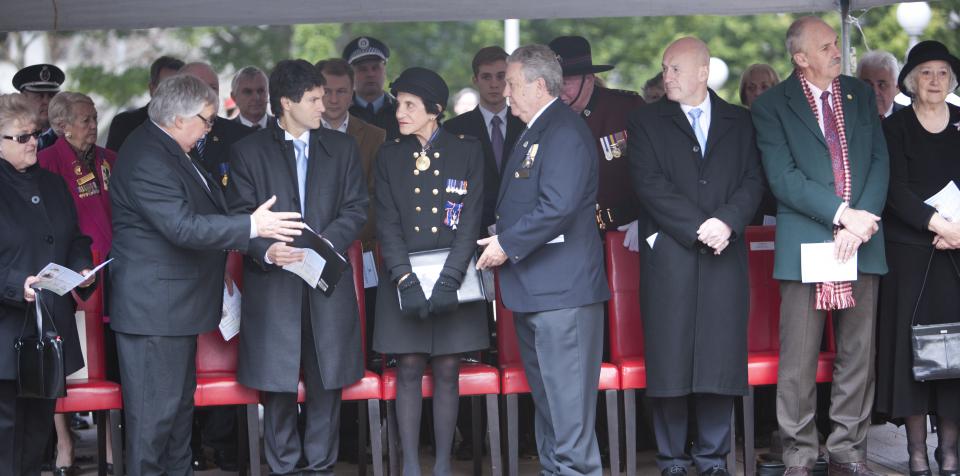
(537, 115)
(488, 115)
(704, 107)
(816, 92)
(262, 122)
(305, 137)
(343, 125)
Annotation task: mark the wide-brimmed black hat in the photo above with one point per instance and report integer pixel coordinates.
(922, 52)
(39, 78)
(573, 53)
(425, 84)
(365, 47)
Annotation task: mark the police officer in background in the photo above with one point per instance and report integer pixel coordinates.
(40, 83)
(605, 111)
(368, 57)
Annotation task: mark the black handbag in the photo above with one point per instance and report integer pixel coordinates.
(40, 372)
(936, 347)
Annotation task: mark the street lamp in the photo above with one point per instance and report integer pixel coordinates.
(913, 17)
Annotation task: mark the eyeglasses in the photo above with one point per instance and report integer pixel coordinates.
(24, 138)
(208, 122)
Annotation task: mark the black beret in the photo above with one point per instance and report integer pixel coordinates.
(425, 84)
(39, 78)
(365, 47)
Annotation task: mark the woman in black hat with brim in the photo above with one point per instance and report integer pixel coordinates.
(923, 141)
(429, 186)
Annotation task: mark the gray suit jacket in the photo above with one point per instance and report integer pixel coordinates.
(169, 236)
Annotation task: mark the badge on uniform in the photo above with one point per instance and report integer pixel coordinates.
(105, 174)
(451, 216)
(458, 187)
(86, 183)
(531, 156)
(614, 145)
(224, 170)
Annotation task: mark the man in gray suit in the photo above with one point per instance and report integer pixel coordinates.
(552, 276)
(169, 236)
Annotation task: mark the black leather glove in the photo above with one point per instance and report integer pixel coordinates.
(444, 297)
(413, 303)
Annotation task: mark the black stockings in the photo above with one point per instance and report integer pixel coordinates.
(917, 442)
(446, 394)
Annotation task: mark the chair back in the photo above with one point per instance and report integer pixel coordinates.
(623, 309)
(213, 353)
(508, 350)
(763, 329)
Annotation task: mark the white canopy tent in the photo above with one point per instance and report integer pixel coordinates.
(67, 15)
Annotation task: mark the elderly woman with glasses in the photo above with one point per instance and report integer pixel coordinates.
(921, 241)
(85, 168)
(39, 224)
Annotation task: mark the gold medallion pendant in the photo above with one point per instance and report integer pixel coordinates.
(423, 161)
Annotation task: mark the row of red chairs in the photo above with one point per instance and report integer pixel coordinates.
(216, 367)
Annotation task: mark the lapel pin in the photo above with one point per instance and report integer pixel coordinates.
(525, 144)
(216, 139)
(850, 97)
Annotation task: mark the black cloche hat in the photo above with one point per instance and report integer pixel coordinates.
(922, 52)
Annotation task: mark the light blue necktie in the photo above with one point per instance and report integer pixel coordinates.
(697, 131)
(300, 147)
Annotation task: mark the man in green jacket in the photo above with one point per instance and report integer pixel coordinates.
(826, 160)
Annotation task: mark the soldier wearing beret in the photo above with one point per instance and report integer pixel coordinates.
(429, 196)
(368, 56)
(40, 83)
(605, 111)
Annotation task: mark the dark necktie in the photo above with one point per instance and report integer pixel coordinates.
(370, 110)
(496, 140)
(201, 145)
(832, 134)
(256, 126)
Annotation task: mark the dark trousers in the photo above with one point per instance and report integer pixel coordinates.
(317, 448)
(26, 425)
(159, 376)
(851, 394)
(670, 423)
(561, 353)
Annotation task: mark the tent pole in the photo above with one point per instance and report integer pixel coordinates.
(846, 67)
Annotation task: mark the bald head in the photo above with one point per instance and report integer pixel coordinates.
(814, 50)
(686, 66)
(203, 72)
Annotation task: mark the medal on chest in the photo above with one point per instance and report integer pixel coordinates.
(86, 182)
(423, 159)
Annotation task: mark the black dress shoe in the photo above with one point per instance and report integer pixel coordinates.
(78, 423)
(71, 470)
(199, 463)
(674, 471)
(715, 471)
(226, 460)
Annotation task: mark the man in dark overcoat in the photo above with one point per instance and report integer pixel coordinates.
(697, 173)
(288, 326)
(169, 235)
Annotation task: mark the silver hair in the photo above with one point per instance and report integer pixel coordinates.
(539, 61)
(245, 73)
(180, 95)
(795, 34)
(879, 59)
(910, 81)
(16, 107)
(60, 110)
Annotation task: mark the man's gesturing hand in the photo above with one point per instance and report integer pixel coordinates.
(280, 226)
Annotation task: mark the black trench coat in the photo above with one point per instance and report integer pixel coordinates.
(694, 304)
(264, 164)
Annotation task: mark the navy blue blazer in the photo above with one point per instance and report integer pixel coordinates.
(546, 219)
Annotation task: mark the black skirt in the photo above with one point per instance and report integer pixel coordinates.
(898, 394)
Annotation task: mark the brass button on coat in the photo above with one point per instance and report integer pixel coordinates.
(434, 210)
(433, 230)
(416, 190)
(418, 209)
(436, 192)
(416, 229)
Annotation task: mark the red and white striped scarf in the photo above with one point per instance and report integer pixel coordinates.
(832, 296)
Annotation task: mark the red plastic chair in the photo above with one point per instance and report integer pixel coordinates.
(217, 380)
(369, 388)
(763, 331)
(95, 393)
(515, 382)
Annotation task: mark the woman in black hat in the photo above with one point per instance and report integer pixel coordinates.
(923, 141)
(429, 186)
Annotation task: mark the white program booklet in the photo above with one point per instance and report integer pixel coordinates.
(61, 279)
(947, 202)
(309, 268)
(817, 264)
(230, 314)
(370, 278)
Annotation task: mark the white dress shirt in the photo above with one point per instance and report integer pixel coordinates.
(262, 122)
(343, 125)
(488, 116)
(705, 114)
